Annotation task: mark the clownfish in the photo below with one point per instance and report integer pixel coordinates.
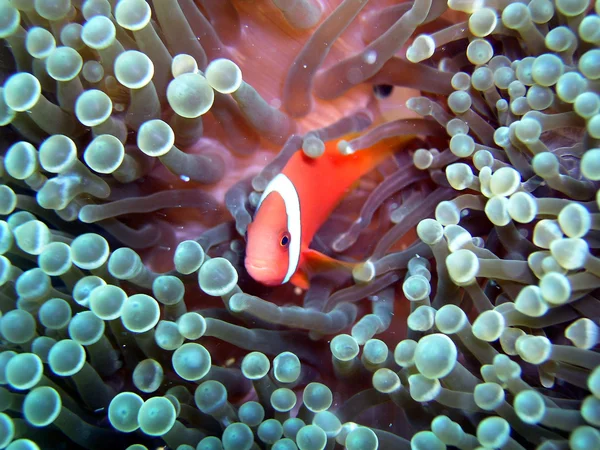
(296, 203)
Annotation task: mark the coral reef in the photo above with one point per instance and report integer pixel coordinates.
(136, 139)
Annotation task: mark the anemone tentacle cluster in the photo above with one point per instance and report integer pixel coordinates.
(136, 138)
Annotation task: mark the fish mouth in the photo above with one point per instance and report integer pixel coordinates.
(262, 272)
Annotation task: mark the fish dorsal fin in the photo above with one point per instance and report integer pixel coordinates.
(282, 185)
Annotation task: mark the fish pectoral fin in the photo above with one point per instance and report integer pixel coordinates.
(316, 262)
(300, 279)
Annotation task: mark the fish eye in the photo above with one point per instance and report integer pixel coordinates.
(285, 240)
(383, 90)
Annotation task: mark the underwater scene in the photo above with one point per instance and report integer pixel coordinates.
(299, 224)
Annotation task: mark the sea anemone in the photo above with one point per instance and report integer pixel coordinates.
(137, 137)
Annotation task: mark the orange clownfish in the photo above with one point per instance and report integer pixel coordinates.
(295, 204)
